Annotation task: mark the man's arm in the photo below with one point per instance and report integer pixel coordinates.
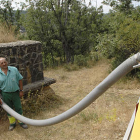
(0, 101)
(0, 97)
(21, 88)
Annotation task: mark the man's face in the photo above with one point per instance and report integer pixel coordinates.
(3, 63)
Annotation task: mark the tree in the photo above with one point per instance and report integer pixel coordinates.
(8, 15)
(121, 38)
(65, 28)
(120, 5)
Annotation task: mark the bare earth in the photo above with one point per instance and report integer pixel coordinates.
(105, 119)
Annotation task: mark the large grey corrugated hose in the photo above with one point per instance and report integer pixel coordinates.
(114, 76)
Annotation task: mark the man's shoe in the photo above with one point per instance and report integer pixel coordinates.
(23, 125)
(12, 126)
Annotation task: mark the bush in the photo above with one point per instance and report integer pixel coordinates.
(81, 60)
(129, 41)
(122, 43)
(107, 45)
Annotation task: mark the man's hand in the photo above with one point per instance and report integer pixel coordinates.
(21, 94)
(0, 101)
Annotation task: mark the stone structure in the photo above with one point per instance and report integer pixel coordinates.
(27, 57)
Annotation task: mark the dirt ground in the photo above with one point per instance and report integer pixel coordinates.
(105, 119)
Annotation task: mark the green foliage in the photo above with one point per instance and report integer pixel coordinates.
(124, 6)
(107, 45)
(128, 34)
(135, 13)
(122, 39)
(81, 60)
(65, 29)
(129, 41)
(9, 16)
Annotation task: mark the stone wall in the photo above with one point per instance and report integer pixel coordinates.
(27, 57)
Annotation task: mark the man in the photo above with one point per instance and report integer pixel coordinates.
(11, 87)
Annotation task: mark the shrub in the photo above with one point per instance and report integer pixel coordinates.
(81, 60)
(122, 43)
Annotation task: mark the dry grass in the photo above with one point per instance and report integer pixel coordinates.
(6, 35)
(105, 119)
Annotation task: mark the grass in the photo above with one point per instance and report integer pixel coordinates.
(7, 34)
(36, 102)
(105, 119)
(40, 101)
